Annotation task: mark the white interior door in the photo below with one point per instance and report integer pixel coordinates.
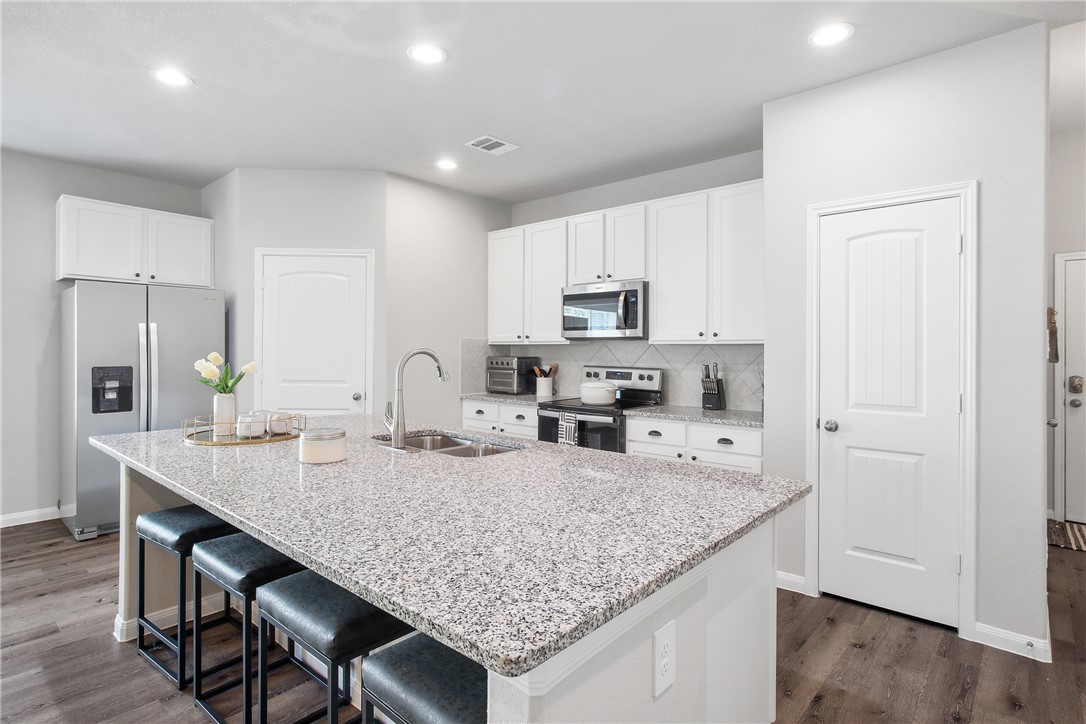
(889, 405)
(314, 333)
(1071, 305)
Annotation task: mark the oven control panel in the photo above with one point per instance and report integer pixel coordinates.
(633, 378)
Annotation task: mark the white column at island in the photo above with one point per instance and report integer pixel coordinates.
(551, 566)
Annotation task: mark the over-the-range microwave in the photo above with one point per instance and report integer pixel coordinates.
(612, 309)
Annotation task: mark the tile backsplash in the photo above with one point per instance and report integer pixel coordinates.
(740, 366)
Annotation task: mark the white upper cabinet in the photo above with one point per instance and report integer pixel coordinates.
(585, 249)
(505, 291)
(706, 266)
(544, 278)
(624, 243)
(115, 242)
(607, 246)
(678, 246)
(737, 261)
(179, 249)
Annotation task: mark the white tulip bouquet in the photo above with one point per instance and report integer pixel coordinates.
(215, 373)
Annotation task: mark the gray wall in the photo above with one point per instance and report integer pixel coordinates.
(974, 112)
(720, 172)
(293, 208)
(30, 304)
(437, 286)
(1066, 232)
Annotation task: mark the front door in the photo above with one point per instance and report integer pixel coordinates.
(1071, 271)
(889, 407)
(313, 333)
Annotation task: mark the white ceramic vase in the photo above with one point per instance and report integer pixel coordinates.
(224, 414)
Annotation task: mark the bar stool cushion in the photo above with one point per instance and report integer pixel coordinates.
(329, 618)
(179, 528)
(242, 562)
(425, 681)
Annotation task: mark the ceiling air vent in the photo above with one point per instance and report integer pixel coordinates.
(491, 145)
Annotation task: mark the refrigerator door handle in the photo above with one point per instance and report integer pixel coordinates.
(154, 375)
(143, 377)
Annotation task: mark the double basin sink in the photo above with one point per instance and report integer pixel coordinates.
(456, 446)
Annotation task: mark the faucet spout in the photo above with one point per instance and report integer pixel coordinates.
(394, 417)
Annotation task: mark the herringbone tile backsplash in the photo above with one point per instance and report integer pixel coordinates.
(740, 366)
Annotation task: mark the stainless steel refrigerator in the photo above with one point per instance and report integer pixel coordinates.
(127, 355)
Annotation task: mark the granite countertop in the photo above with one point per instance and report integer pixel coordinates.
(508, 559)
(506, 399)
(738, 418)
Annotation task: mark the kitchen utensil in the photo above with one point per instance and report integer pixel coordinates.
(598, 393)
(552, 371)
(716, 372)
(705, 372)
(538, 372)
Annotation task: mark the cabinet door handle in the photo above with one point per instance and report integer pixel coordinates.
(715, 334)
(608, 276)
(493, 427)
(518, 336)
(725, 441)
(520, 417)
(479, 412)
(693, 457)
(678, 455)
(137, 274)
(701, 334)
(655, 433)
(527, 337)
(152, 276)
(502, 430)
(598, 276)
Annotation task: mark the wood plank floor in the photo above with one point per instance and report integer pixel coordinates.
(837, 661)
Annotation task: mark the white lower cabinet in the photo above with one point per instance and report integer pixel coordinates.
(514, 420)
(724, 446)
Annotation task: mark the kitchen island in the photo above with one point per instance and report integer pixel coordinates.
(550, 565)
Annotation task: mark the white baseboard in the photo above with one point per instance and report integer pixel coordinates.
(1016, 643)
(791, 582)
(29, 516)
(1051, 514)
(125, 629)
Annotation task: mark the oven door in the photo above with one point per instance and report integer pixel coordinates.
(502, 381)
(594, 311)
(599, 432)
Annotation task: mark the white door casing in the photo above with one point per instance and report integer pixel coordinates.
(965, 195)
(1070, 437)
(314, 330)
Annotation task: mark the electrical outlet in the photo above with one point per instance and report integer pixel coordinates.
(663, 658)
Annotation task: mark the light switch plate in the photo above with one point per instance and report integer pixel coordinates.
(663, 658)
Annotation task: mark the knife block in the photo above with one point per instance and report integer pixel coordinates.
(713, 400)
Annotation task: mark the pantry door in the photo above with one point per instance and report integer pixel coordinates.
(889, 361)
(314, 330)
(1070, 460)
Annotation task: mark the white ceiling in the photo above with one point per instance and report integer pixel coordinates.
(593, 92)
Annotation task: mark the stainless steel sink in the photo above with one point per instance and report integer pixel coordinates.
(476, 450)
(448, 445)
(435, 442)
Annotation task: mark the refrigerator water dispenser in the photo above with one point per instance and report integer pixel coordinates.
(111, 389)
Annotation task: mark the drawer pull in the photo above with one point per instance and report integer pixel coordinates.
(479, 412)
(520, 417)
(725, 441)
(655, 433)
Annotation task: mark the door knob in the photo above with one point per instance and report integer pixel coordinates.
(356, 396)
(830, 426)
(1075, 403)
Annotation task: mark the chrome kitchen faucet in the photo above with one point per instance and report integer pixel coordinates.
(394, 418)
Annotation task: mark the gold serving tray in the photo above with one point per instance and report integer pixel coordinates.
(200, 430)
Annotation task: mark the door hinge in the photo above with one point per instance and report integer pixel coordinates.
(818, 422)
(961, 403)
(959, 564)
(961, 244)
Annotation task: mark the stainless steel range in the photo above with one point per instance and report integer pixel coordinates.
(601, 427)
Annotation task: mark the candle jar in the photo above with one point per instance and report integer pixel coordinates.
(322, 445)
(251, 424)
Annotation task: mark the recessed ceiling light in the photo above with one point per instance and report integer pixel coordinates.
(831, 34)
(171, 76)
(426, 53)
(447, 163)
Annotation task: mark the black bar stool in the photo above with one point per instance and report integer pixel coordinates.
(238, 564)
(174, 530)
(421, 680)
(329, 622)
